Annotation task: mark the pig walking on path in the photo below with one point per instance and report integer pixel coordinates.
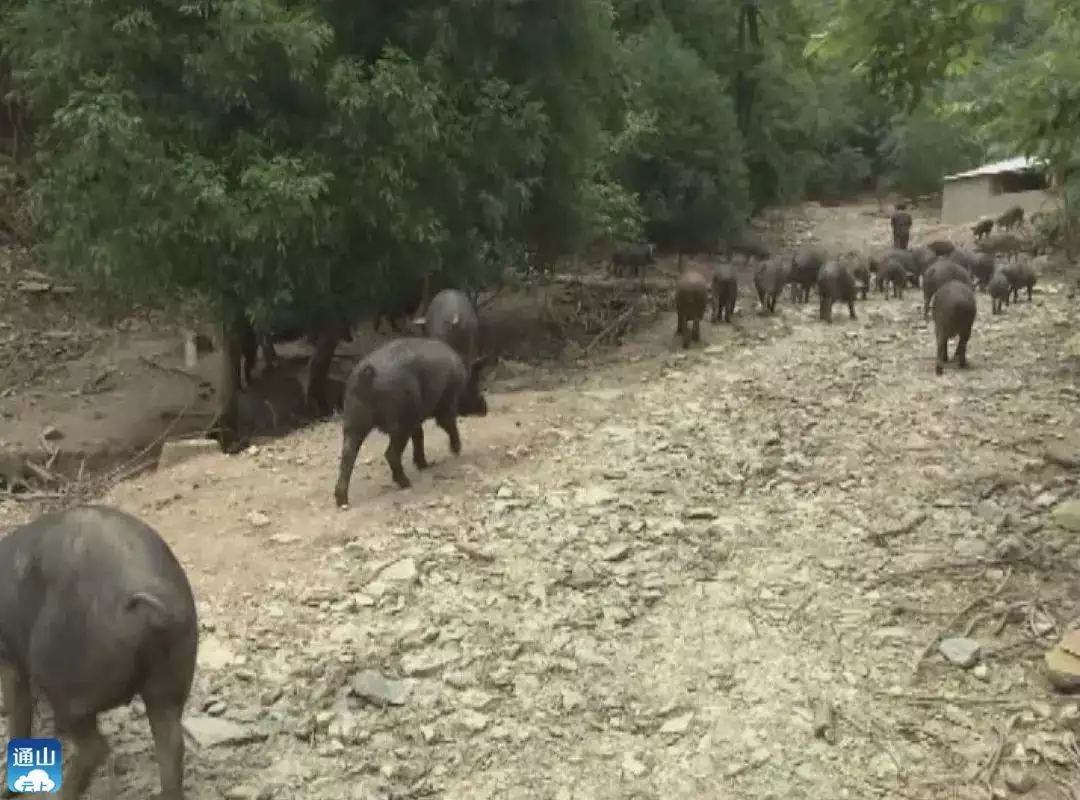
(95, 609)
(396, 388)
(954, 316)
(691, 303)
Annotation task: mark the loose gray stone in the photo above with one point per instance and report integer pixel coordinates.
(378, 689)
(215, 732)
(677, 725)
(472, 721)
(1067, 515)
(989, 511)
(960, 651)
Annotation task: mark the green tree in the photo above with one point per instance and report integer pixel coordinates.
(1034, 109)
(680, 150)
(270, 155)
(905, 50)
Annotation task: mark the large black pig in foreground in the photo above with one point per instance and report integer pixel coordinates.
(396, 388)
(95, 609)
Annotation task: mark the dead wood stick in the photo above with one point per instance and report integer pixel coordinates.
(625, 315)
(950, 565)
(474, 552)
(41, 473)
(881, 537)
(170, 370)
(33, 497)
(967, 700)
(991, 768)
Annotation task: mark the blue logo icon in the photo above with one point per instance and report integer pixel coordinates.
(33, 765)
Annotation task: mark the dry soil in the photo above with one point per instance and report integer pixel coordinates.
(653, 581)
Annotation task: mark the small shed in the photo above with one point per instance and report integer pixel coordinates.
(992, 189)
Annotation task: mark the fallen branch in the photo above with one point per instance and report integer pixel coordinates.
(135, 464)
(991, 768)
(35, 497)
(950, 565)
(170, 370)
(618, 321)
(882, 537)
(967, 700)
(41, 473)
(474, 552)
(97, 384)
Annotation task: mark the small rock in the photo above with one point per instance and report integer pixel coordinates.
(590, 659)
(214, 731)
(505, 492)
(989, 511)
(378, 689)
(472, 721)
(616, 552)
(981, 671)
(1062, 455)
(1010, 548)
(883, 766)
(258, 519)
(701, 512)
(960, 651)
(1018, 780)
(52, 433)
(677, 725)
(1045, 500)
(632, 767)
(403, 571)
(477, 700)
(345, 727)
(581, 577)
(459, 679)
(1067, 515)
(594, 496)
(1063, 663)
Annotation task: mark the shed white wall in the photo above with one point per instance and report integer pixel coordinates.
(968, 199)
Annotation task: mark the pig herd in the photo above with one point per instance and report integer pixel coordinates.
(95, 608)
(948, 276)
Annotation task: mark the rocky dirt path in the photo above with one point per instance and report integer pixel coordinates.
(648, 584)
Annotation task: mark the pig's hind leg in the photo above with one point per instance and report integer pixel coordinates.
(447, 420)
(91, 750)
(418, 456)
(168, 747)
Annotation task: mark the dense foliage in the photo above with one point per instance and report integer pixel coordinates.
(327, 154)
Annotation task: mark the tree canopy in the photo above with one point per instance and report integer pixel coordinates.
(321, 154)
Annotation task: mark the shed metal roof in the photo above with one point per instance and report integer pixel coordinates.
(1017, 164)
